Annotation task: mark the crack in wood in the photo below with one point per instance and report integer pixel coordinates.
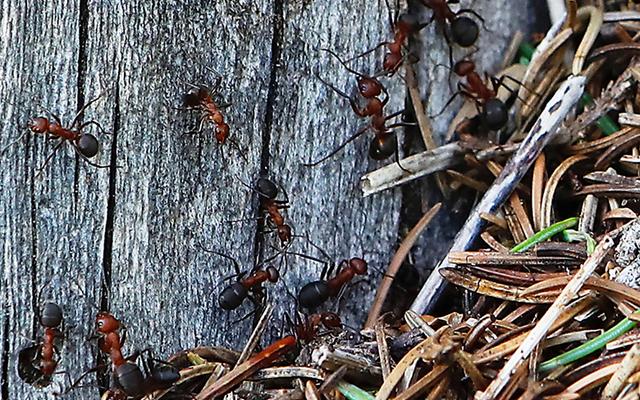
(4, 362)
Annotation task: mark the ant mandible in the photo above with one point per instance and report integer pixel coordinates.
(464, 30)
(233, 295)
(85, 144)
(36, 364)
(315, 293)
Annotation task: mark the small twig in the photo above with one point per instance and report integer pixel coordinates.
(627, 367)
(396, 263)
(539, 332)
(383, 350)
(423, 122)
(255, 335)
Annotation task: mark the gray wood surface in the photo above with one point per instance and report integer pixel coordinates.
(127, 237)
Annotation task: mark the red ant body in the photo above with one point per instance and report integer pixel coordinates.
(464, 30)
(233, 295)
(315, 293)
(494, 111)
(268, 191)
(201, 98)
(36, 364)
(308, 329)
(85, 144)
(405, 26)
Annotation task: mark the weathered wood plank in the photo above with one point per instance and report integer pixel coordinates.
(51, 228)
(171, 192)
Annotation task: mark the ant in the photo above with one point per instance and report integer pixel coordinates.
(233, 295)
(268, 192)
(493, 110)
(36, 364)
(368, 87)
(85, 144)
(133, 381)
(464, 30)
(315, 293)
(201, 98)
(308, 329)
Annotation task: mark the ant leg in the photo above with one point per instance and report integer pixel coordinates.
(236, 264)
(497, 82)
(352, 102)
(102, 130)
(84, 107)
(474, 13)
(89, 161)
(237, 146)
(12, 143)
(462, 89)
(343, 63)
(203, 118)
(55, 149)
(397, 155)
(337, 149)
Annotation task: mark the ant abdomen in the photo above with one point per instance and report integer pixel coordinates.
(464, 31)
(274, 274)
(51, 315)
(495, 114)
(131, 379)
(232, 296)
(88, 145)
(266, 188)
(164, 377)
(313, 294)
(382, 148)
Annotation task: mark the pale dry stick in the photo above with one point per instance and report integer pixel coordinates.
(420, 164)
(588, 214)
(396, 263)
(256, 334)
(593, 29)
(383, 350)
(423, 123)
(560, 105)
(621, 16)
(537, 188)
(557, 10)
(416, 322)
(550, 189)
(538, 333)
(628, 366)
(512, 51)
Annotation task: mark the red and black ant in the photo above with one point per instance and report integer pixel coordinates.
(85, 144)
(268, 192)
(128, 374)
(201, 98)
(233, 295)
(464, 30)
(493, 110)
(37, 364)
(315, 293)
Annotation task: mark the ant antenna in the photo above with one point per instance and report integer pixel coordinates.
(344, 64)
(236, 264)
(337, 149)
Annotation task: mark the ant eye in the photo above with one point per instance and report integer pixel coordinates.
(100, 324)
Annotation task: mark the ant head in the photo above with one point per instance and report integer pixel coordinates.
(464, 67)
(383, 148)
(51, 315)
(114, 394)
(266, 188)
(369, 87)
(495, 114)
(232, 296)
(358, 265)
(464, 31)
(331, 320)
(274, 275)
(194, 97)
(130, 378)
(87, 145)
(313, 294)
(107, 323)
(39, 125)
(391, 61)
